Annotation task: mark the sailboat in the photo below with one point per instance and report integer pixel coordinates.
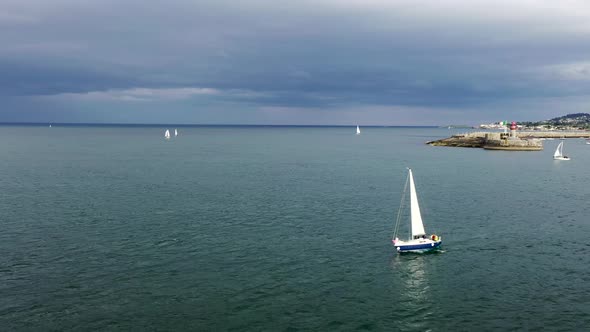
(358, 130)
(175, 132)
(167, 134)
(417, 241)
(558, 155)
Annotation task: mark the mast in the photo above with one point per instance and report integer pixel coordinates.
(401, 205)
(416, 217)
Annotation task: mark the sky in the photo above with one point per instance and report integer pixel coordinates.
(320, 62)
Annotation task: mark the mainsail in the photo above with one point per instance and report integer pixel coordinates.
(417, 226)
(558, 151)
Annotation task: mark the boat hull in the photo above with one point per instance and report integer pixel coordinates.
(561, 158)
(421, 246)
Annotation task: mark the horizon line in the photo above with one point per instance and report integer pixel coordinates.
(118, 124)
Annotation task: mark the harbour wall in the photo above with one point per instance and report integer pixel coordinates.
(521, 141)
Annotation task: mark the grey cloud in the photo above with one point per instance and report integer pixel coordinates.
(464, 54)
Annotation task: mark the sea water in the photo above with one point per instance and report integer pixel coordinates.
(286, 228)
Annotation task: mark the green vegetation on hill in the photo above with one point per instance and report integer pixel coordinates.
(575, 120)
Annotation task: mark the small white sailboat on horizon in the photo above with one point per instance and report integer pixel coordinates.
(558, 155)
(418, 241)
(358, 130)
(167, 134)
(175, 132)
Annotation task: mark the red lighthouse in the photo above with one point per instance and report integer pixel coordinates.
(513, 129)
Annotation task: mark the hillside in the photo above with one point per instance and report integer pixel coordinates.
(574, 120)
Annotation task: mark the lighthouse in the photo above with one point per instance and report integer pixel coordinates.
(513, 130)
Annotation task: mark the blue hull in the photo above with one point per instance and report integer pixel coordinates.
(419, 247)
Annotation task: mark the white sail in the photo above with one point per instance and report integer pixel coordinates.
(175, 132)
(558, 151)
(358, 130)
(417, 226)
(167, 134)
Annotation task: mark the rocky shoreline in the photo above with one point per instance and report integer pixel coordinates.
(460, 141)
(522, 141)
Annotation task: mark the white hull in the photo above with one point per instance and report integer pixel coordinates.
(561, 158)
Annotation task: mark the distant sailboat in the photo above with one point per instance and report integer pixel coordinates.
(175, 132)
(418, 242)
(358, 130)
(558, 155)
(167, 134)
(49, 126)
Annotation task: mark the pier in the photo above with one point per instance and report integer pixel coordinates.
(520, 141)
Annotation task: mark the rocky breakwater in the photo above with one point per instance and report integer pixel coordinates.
(463, 141)
(490, 141)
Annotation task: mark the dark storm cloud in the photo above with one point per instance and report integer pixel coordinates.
(27, 78)
(316, 54)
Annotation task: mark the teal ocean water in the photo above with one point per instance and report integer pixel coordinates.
(286, 229)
